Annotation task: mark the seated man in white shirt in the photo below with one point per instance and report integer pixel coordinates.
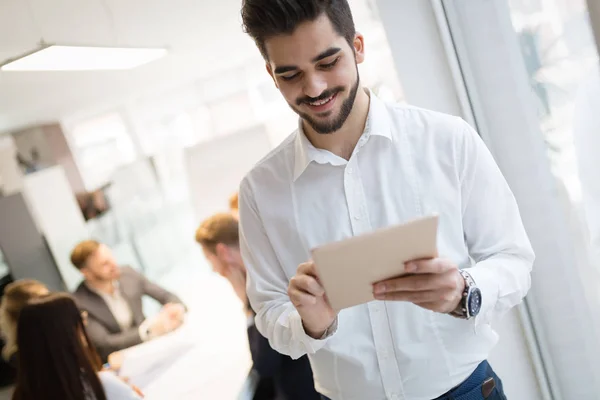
(112, 298)
(356, 164)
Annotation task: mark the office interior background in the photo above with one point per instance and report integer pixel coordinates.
(160, 147)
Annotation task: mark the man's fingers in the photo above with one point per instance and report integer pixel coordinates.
(412, 283)
(429, 296)
(301, 298)
(307, 284)
(307, 268)
(304, 289)
(429, 266)
(417, 283)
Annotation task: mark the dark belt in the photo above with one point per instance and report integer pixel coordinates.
(474, 387)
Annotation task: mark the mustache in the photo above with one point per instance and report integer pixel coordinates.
(325, 95)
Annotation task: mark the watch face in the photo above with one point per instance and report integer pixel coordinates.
(474, 302)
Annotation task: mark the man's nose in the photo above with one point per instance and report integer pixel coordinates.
(314, 85)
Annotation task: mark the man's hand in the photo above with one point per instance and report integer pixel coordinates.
(308, 296)
(174, 311)
(434, 284)
(170, 317)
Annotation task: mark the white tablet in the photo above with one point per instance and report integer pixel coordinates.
(349, 268)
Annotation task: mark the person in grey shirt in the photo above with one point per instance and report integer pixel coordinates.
(111, 297)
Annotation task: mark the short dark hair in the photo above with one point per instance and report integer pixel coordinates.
(263, 19)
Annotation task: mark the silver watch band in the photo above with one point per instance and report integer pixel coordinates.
(462, 310)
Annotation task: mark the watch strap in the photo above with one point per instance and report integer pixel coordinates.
(462, 311)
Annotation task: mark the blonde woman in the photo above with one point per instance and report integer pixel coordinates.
(16, 296)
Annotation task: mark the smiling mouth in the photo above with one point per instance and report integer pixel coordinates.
(322, 102)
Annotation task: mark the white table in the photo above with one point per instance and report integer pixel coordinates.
(207, 358)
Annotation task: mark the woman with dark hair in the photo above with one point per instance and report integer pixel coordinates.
(16, 296)
(56, 359)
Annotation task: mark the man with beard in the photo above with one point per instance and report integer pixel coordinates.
(356, 164)
(111, 297)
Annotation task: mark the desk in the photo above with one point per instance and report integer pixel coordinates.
(207, 358)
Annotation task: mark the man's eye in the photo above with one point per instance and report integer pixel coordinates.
(331, 64)
(289, 77)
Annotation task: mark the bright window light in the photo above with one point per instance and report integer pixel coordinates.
(80, 58)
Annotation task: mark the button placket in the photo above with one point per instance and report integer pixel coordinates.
(390, 373)
(384, 345)
(352, 186)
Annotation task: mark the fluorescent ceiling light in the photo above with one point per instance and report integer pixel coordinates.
(83, 58)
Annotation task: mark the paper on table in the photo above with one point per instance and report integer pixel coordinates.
(144, 363)
(348, 268)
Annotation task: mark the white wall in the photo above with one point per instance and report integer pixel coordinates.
(58, 216)
(215, 169)
(11, 177)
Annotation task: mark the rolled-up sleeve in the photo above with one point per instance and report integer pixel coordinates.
(493, 229)
(276, 317)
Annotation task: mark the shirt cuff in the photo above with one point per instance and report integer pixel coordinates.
(144, 330)
(486, 280)
(331, 330)
(312, 345)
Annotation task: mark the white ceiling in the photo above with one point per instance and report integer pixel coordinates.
(203, 37)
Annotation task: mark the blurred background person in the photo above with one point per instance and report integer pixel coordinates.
(112, 297)
(16, 296)
(56, 358)
(280, 377)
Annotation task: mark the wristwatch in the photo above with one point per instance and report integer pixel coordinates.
(470, 303)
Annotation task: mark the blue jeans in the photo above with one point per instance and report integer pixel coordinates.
(471, 389)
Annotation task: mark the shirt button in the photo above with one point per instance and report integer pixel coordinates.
(349, 170)
(383, 354)
(394, 396)
(357, 217)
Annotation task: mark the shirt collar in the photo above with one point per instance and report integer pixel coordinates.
(378, 124)
(103, 294)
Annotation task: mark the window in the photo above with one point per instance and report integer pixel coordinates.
(101, 145)
(523, 64)
(559, 54)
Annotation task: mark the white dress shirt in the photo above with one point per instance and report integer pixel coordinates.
(118, 306)
(408, 163)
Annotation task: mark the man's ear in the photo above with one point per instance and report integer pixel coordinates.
(359, 47)
(84, 271)
(270, 71)
(222, 251)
